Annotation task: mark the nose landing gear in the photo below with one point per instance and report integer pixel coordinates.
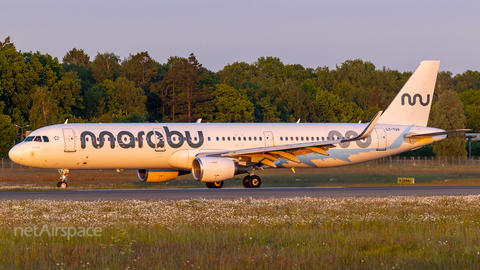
(63, 177)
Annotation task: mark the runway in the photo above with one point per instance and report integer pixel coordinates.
(230, 193)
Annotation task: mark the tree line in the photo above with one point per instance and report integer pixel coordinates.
(38, 90)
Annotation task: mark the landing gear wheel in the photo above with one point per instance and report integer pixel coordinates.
(62, 184)
(245, 181)
(254, 181)
(218, 184)
(63, 177)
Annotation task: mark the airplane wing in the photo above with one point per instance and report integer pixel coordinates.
(267, 155)
(434, 134)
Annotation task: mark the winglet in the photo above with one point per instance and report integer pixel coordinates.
(368, 130)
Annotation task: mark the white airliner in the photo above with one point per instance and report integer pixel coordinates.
(216, 152)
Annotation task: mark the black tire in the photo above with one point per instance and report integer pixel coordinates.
(246, 181)
(62, 184)
(254, 181)
(218, 184)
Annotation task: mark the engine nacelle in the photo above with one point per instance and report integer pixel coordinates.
(214, 169)
(157, 175)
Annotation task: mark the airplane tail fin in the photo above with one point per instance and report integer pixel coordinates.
(412, 104)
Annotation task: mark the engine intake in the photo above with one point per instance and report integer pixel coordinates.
(214, 169)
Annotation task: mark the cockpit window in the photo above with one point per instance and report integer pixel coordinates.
(29, 139)
(45, 139)
(38, 139)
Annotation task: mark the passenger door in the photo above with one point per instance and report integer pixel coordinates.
(69, 140)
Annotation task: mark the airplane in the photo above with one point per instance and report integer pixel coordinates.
(215, 152)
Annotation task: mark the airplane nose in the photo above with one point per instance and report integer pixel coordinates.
(16, 154)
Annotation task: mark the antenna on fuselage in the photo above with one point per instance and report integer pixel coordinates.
(199, 120)
(66, 122)
(298, 121)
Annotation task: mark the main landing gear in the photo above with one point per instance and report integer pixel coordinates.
(218, 184)
(63, 177)
(252, 181)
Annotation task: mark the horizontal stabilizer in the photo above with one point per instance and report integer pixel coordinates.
(430, 135)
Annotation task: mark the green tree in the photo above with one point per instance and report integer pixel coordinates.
(8, 132)
(141, 69)
(184, 83)
(471, 103)
(229, 106)
(448, 114)
(95, 101)
(112, 105)
(467, 80)
(106, 66)
(237, 74)
(131, 99)
(16, 81)
(67, 93)
(269, 111)
(76, 57)
(44, 110)
(331, 108)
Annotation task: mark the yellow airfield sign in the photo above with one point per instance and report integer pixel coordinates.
(406, 180)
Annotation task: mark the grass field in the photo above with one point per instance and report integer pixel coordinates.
(372, 173)
(295, 233)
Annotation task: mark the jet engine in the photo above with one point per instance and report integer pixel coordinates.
(214, 169)
(157, 175)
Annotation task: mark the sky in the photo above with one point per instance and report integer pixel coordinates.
(313, 33)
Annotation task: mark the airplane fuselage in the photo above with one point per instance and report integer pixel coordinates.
(174, 146)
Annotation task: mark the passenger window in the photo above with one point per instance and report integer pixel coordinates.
(286, 138)
(291, 138)
(29, 139)
(307, 138)
(244, 138)
(239, 138)
(260, 138)
(233, 138)
(228, 138)
(301, 138)
(296, 138)
(223, 138)
(254, 138)
(249, 138)
(208, 138)
(45, 139)
(217, 139)
(86, 139)
(281, 138)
